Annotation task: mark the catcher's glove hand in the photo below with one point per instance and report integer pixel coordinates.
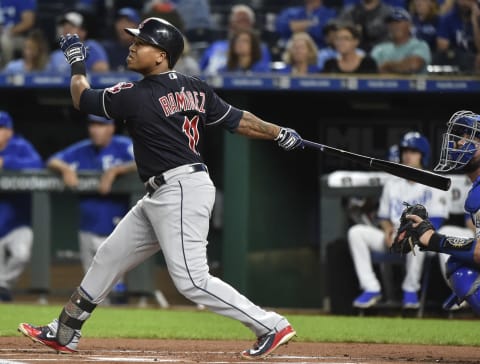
(407, 235)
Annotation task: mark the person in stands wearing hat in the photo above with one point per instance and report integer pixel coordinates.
(117, 48)
(112, 155)
(74, 22)
(16, 235)
(404, 53)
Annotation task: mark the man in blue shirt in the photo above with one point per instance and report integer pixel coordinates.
(16, 235)
(17, 17)
(310, 18)
(97, 60)
(458, 36)
(102, 152)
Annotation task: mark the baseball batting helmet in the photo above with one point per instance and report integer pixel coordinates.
(415, 140)
(463, 126)
(465, 283)
(160, 33)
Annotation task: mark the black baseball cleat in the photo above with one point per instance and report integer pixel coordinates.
(47, 335)
(267, 343)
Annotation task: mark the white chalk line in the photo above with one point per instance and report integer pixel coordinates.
(17, 356)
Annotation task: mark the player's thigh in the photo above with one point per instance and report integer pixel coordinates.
(180, 215)
(367, 235)
(19, 242)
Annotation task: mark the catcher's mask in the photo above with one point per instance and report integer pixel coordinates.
(465, 283)
(460, 141)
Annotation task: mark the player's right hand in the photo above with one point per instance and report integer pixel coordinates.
(70, 178)
(73, 48)
(289, 139)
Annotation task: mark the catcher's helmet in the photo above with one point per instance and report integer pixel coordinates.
(463, 126)
(415, 140)
(465, 283)
(160, 33)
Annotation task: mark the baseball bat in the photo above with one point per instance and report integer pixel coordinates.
(400, 170)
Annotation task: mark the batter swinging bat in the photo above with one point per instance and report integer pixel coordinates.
(400, 170)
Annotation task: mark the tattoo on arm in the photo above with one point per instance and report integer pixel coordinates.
(254, 127)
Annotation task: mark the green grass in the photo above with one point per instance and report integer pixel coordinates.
(191, 324)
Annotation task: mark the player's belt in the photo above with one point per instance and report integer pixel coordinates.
(154, 182)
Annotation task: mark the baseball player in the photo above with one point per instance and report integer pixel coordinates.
(414, 152)
(167, 115)
(460, 151)
(99, 213)
(16, 235)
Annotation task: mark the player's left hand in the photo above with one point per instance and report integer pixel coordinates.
(73, 48)
(413, 224)
(289, 139)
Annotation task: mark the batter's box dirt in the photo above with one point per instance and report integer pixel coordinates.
(18, 350)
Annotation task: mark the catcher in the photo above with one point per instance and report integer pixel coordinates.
(460, 151)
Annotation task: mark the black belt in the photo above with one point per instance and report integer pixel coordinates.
(154, 183)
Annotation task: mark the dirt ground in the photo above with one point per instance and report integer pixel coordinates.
(21, 350)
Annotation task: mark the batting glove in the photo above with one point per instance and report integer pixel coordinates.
(72, 48)
(289, 139)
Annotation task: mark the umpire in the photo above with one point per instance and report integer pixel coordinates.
(166, 114)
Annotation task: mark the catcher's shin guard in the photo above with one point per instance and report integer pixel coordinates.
(77, 310)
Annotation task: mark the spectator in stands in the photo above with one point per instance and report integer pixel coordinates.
(16, 236)
(35, 57)
(392, 3)
(187, 64)
(164, 9)
(197, 19)
(17, 17)
(458, 40)
(310, 18)
(245, 54)
(300, 55)
(75, 22)
(363, 239)
(349, 60)
(370, 16)
(328, 51)
(117, 48)
(425, 21)
(404, 54)
(241, 17)
(110, 154)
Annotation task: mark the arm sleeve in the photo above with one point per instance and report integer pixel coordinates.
(91, 102)
(24, 157)
(221, 113)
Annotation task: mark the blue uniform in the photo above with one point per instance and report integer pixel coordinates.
(98, 214)
(15, 208)
(11, 11)
(320, 17)
(456, 31)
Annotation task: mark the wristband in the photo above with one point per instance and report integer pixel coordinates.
(78, 68)
(435, 243)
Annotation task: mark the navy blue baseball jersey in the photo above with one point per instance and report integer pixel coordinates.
(98, 214)
(166, 116)
(19, 154)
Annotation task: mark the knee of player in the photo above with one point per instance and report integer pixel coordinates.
(354, 232)
(189, 286)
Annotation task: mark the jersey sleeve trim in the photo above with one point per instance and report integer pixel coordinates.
(103, 105)
(223, 117)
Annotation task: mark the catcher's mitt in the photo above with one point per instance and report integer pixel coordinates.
(407, 236)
